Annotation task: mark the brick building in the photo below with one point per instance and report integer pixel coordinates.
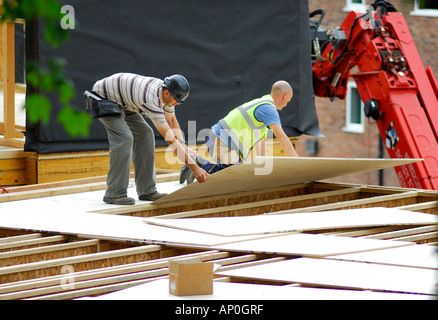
(361, 140)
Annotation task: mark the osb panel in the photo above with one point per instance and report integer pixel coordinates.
(272, 172)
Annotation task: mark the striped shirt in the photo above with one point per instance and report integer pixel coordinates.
(135, 93)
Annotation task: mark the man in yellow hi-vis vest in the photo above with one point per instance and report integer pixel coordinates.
(245, 128)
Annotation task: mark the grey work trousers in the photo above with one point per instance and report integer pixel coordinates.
(130, 138)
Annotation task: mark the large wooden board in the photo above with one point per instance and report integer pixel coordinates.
(271, 172)
(343, 274)
(309, 245)
(159, 290)
(107, 226)
(419, 256)
(133, 229)
(298, 222)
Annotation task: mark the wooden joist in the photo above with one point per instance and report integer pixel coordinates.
(311, 197)
(20, 238)
(93, 287)
(108, 279)
(48, 252)
(81, 262)
(31, 243)
(102, 272)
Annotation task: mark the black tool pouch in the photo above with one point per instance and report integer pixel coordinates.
(99, 107)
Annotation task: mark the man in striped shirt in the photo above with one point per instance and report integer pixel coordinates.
(130, 137)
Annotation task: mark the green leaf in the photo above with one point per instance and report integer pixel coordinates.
(76, 123)
(27, 8)
(47, 81)
(33, 77)
(66, 92)
(42, 8)
(38, 108)
(50, 9)
(9, 11)
(54, 34)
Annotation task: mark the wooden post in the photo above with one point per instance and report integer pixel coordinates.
(8, 48)
(11, 133)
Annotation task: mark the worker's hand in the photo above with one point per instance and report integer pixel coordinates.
(200, 174)
(192, 152)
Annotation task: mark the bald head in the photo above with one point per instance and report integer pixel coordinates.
(281, 87)
(282, 93)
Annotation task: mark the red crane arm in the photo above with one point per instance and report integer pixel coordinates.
(378, 52)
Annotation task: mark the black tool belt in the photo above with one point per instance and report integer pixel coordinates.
(99, 107)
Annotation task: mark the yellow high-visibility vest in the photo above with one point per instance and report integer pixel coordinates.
(242, 126)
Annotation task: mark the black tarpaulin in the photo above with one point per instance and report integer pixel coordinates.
(230, 51)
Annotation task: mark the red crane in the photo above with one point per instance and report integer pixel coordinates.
(376, 49)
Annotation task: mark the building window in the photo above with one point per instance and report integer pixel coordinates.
(355, 5)
(425, 8)
(354, 115)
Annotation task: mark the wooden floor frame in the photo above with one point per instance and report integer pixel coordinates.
(52, 266)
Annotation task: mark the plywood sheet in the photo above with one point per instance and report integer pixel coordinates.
(420, 256)
(309, 245)
(298, 222)
(271, 172)
(107, 226)
(159, 290)
(343, 274)
(133, 229)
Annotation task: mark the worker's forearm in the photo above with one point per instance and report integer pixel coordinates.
(263, 148)
(287, 146)
(182, 152)
(173, 141)
(174, 125)
(260, 148)
(178, 133)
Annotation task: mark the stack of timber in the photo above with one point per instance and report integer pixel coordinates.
(303, 240)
